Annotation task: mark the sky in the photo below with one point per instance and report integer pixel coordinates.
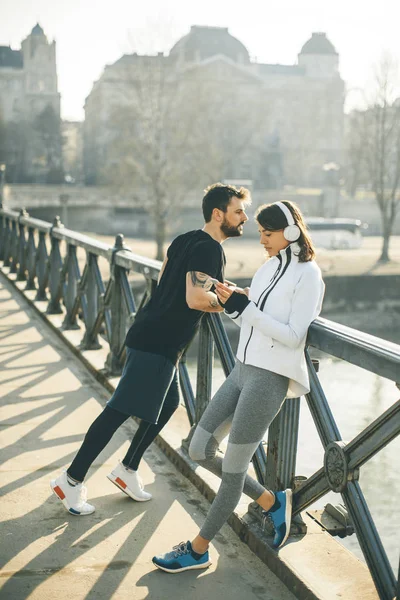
(92, 33)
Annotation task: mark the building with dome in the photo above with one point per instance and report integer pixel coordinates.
(202, 43)
(29, 100)
(300, 109)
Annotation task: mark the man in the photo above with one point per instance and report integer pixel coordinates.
(148, 388)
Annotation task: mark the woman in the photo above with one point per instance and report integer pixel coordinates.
(284, 298)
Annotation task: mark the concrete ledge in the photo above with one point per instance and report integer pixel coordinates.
(313, 566)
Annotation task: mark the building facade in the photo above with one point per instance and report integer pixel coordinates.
(30, 142)
(300, 108)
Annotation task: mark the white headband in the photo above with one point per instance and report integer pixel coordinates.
(286, 211)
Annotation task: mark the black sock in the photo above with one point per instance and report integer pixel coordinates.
(276, 504)
(196, 555)
(72, 482)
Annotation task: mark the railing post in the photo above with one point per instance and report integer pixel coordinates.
(90, 339)
(41, 259)
(31, 260)
(280, 469)
(55, 266)
(369, 540)
(283, 435)
(21, 274)
(7, 242)
(221, 342)
(2, 232)
(282, 446)
(14, 247)
(186, 389)
(205, 359)
(319, 407)
(114, 364)
(204, 368)
(73, 276)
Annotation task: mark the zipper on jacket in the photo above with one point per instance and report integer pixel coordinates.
(273, 281)
(289, 258)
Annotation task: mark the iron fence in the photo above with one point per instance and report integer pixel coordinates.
(45, 256)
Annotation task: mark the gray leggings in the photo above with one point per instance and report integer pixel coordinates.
(245, 405)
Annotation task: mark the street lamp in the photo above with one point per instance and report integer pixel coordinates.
(332, 185)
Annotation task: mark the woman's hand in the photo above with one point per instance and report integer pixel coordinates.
(245, 291)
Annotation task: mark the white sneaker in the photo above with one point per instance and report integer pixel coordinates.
(129, 482)
(73, 497)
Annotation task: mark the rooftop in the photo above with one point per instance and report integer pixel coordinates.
(203, 42)
(37, 30)
(318, 44)
(10, 58)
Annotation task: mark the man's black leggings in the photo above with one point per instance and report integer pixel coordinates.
(103, 428)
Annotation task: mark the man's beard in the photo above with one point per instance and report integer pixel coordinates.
(230, 230)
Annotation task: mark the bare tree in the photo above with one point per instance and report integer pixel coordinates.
(379, 139)
(152, 142)
(171, 132)
(13, 142)
(47, 127)
(355, 162)
(3, 139)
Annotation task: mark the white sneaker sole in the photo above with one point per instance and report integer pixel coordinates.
(57, 491)
(124, 488)
(192, 568)
(288, 515)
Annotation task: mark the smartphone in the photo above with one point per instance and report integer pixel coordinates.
(214, 281)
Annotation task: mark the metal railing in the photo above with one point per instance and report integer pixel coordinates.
(32, 250)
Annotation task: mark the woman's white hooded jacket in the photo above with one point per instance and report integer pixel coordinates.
(285, 297)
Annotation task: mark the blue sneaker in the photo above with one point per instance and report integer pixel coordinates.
(182, 558)
(280, 516)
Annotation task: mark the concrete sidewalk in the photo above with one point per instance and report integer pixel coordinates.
(48, 400)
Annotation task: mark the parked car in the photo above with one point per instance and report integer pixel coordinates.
(336, 233)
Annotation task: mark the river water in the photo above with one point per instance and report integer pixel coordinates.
(356, 398)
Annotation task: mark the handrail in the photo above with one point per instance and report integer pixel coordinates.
(31, 250)
(356, 347)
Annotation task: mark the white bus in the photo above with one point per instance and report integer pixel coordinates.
(335, 233)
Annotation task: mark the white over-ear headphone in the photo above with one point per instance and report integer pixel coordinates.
(292, 231)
